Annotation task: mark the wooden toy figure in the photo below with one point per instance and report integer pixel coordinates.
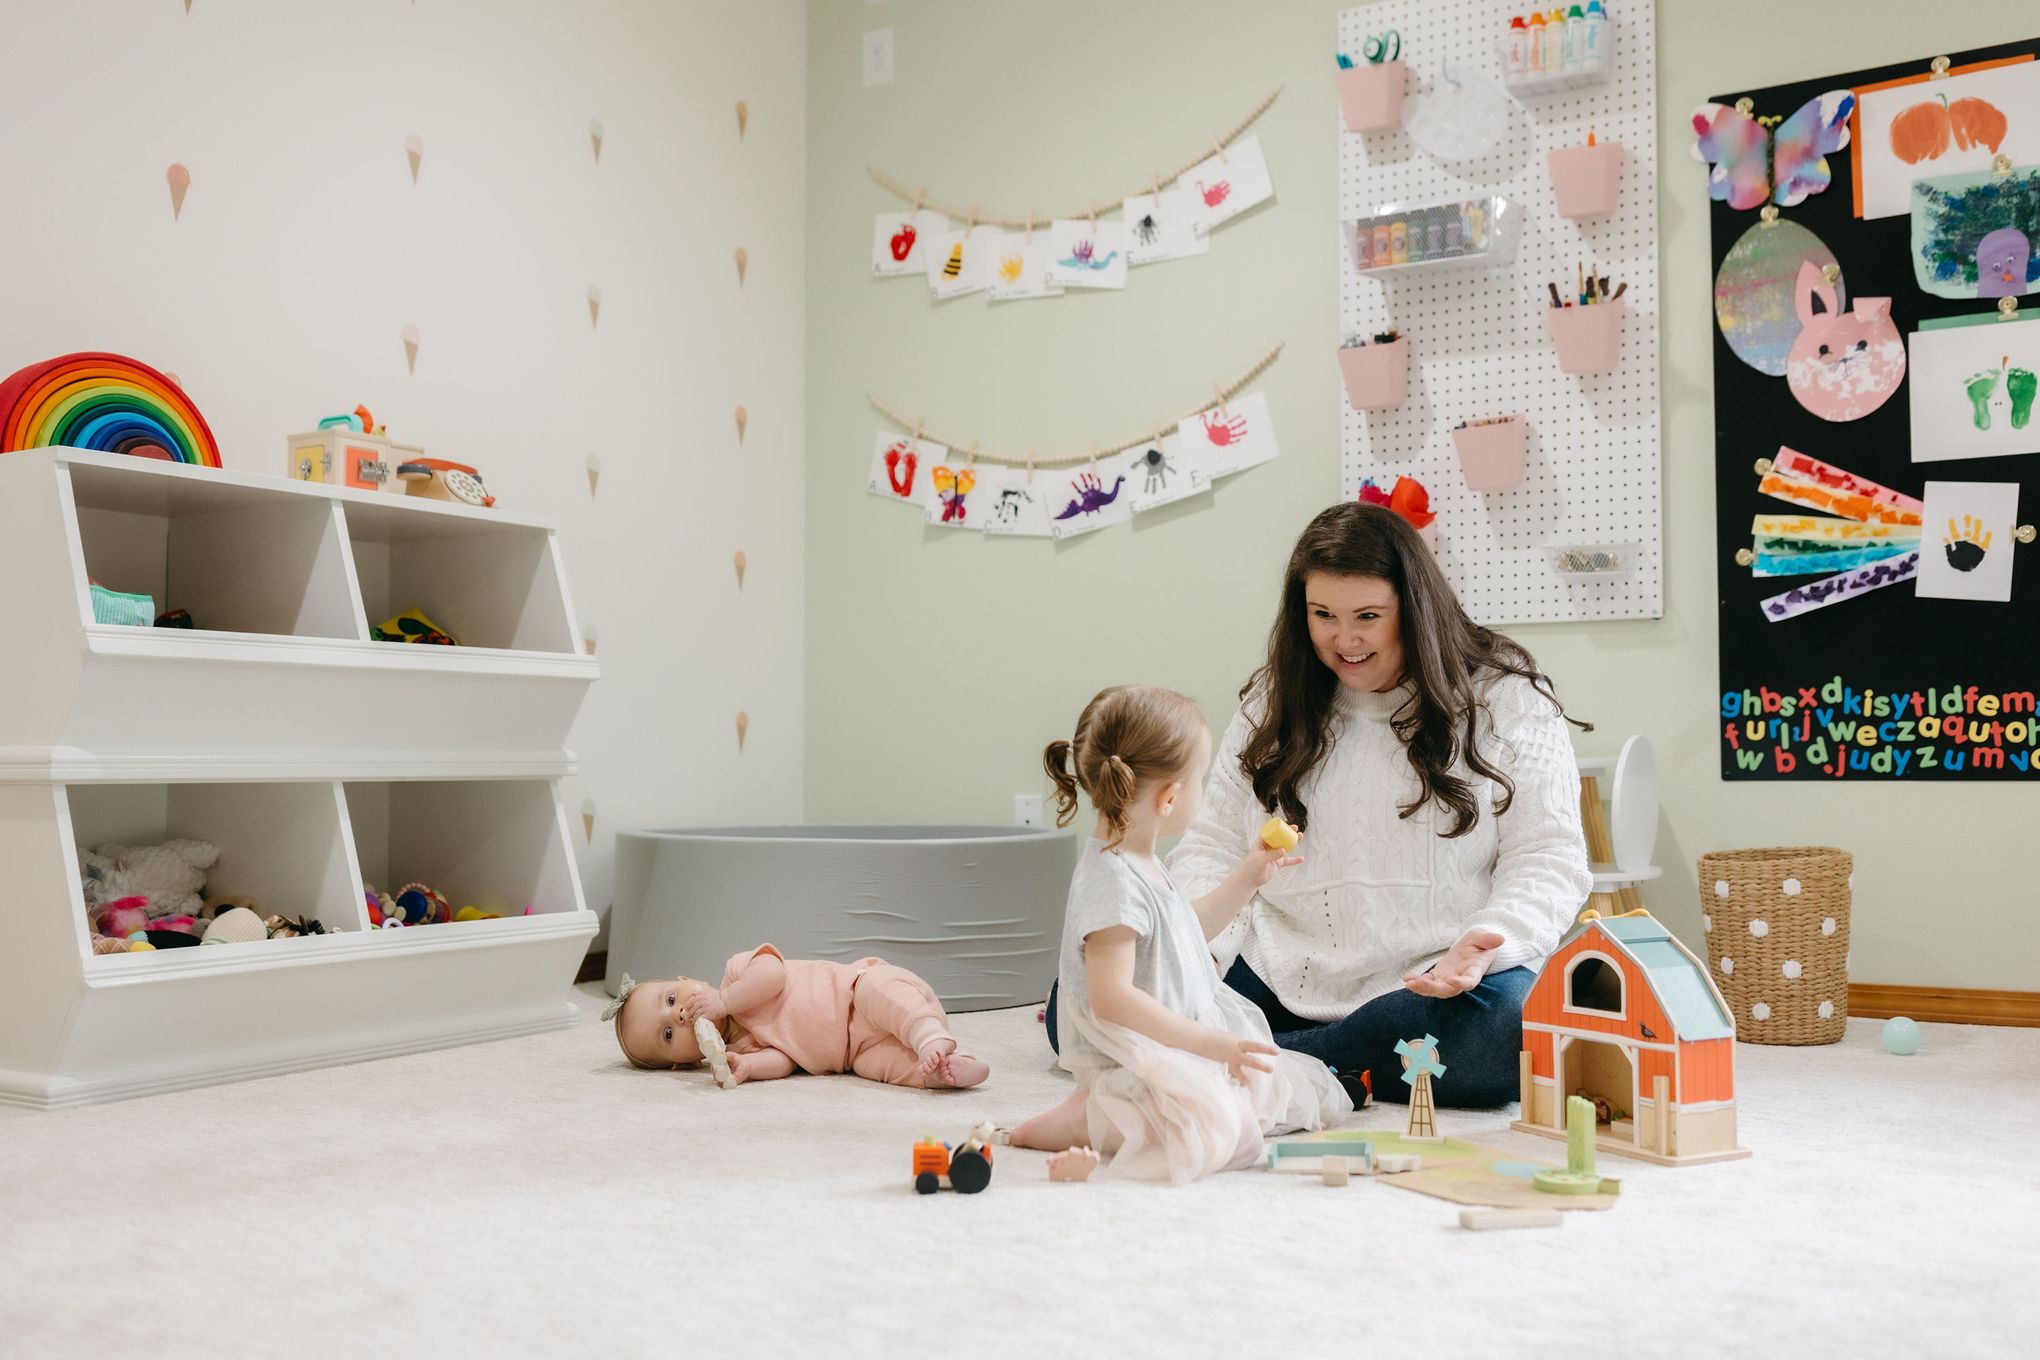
(968, 1165)
(1420, 1064)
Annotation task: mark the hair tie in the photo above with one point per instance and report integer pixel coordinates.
(615, 1007)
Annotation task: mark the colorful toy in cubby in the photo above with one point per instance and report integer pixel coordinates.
(107, 402)
(163, 882)
(422, 906)
(412, 626)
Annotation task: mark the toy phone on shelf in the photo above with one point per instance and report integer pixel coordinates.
(446, 481)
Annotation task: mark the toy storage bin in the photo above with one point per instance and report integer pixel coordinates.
(1376, 375)
(1777, 923)
(1371, 95)
(239, 559)
(1588, 339)
(491, 582)
(497, 844)
(1583, 178)
(282, 848)
(1491, 456)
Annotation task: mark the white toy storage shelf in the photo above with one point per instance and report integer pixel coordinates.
(317, 759)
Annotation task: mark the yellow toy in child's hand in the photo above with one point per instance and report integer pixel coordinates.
(1279, 835)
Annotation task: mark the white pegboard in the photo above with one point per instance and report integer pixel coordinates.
(1479, 343)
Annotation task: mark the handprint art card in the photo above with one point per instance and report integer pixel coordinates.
(1167, 470)
(902, 470)
(897, 239)
(1089, 497)
(1161, 227)
(1234, 437)
(1974, 385)
(1014, 503)
(1227, 185)
(1967, 542)
(1086, 254)
(959, 262)
(1019, 264)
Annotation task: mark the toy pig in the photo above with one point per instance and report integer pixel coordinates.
(1844, 365)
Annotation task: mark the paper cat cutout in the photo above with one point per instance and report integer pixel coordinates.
(1844, 365)
(1753, 166)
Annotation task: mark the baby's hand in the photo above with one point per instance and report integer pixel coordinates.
(1261, 863)
(1242, 1056)
(740, 1067)
(704, 1001)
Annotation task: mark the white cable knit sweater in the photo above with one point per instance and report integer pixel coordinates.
(1377, 895)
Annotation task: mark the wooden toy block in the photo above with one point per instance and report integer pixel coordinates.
(1398, 1161)
(1336, 1171)
(1480, 1219)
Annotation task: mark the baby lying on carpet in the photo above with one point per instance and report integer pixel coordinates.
(772, 1017)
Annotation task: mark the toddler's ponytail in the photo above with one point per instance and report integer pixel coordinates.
(1056, 760)
(1130, 737)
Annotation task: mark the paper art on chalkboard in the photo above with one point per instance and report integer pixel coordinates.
(1814, 485)
(1967, 552)
(1975, 383)
(1843, 365)
(1875, 543)
(1973, 235)
(1754, 165)
(1908, 128)
(1754, 291)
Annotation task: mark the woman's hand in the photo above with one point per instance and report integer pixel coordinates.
(1462, 968)
(1261, 863)
(705, 1001)
(1240, 1056)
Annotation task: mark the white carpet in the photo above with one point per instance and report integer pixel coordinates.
(537, 1197)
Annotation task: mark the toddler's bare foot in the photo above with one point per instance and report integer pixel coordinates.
(1063, 1127)
(960, 1070)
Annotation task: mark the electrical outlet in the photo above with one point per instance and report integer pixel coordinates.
(878, 57)
(1027, 810)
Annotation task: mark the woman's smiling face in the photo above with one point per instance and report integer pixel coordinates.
(1355, 629)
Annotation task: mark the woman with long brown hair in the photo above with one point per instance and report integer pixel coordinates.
(1426, 761)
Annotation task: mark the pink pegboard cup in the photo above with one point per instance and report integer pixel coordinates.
(1377, 376)
(1583, 178)
(1491, 456)
(1372, 95)
(1588, 339)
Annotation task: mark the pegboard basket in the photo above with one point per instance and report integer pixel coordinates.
(1777, 924)
(1588, 339)
(1377, 375)
(1583, 178)
(1491, 456)
(1371, 95)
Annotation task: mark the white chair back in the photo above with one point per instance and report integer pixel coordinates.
(1633, 807)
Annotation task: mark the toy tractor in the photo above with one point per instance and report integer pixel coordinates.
(968, 1164)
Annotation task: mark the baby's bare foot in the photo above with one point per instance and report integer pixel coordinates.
(960, 1070)
(933, 1055)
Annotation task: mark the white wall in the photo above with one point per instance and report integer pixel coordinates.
(940, 665)
(304, 248)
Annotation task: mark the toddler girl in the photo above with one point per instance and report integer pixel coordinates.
(772, 1017)
(1176, 1072)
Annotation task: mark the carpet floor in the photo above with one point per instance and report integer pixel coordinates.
(538, 1197)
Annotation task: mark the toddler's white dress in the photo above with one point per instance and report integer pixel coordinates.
(1175, 1116)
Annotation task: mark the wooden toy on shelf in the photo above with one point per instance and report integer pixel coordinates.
(350, 450)
(1624, 1012)
(967, 1165)
(438, 479)
(1420, 1064)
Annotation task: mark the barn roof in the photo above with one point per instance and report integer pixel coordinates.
(1679, 980)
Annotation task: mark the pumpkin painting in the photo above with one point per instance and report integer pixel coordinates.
(1925, 131)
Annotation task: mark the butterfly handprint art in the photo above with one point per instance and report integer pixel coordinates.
(1760, 160)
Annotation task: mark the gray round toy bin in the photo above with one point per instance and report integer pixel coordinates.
(976, 910)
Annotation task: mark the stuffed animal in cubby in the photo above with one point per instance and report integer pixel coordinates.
(170, 875)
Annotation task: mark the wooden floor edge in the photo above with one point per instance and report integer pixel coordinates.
(1944, 1005)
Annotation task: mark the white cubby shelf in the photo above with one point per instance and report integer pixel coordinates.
(320, 762)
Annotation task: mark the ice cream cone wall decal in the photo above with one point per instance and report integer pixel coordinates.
(741, 562)
(588, 818)
(180, 180)
(594, 305)
(414, 150)
(743, 729)
(743, 262)
(589, 637)
(594, 471)
(743, 419)
(595, 136)
(743, 117)
(411, 348)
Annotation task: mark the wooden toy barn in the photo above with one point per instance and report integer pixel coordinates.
(1625, 1015)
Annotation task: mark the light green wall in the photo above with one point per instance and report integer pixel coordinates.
(938, 665)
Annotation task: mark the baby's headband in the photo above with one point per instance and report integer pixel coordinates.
(610, 1011)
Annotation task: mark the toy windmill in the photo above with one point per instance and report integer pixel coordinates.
(1420, 1064)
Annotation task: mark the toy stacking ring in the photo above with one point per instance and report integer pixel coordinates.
(1381, 47)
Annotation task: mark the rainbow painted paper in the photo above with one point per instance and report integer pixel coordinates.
(1753, 297)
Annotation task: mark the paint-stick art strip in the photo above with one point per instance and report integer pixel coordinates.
(1820, 529)
(1783, 557)
(1830, 590)
(1792, 463)
(1847, 504)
